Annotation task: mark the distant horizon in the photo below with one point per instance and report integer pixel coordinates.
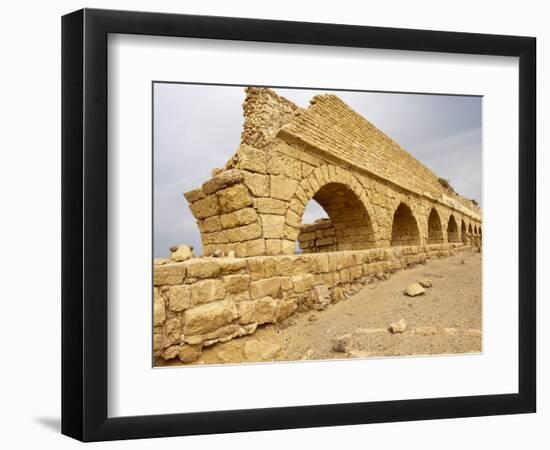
(443, 132)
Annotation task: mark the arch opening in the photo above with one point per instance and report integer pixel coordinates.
(405, 228)
(463, 233)
(435, 230)
(452, 230)
(347, 226)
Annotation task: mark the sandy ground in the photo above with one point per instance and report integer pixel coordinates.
(446, 319)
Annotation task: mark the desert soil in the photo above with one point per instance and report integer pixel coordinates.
(446, 319)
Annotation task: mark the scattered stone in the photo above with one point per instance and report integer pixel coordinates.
(398, 327)
(231, 254)
(255, 350)
(218, 254)
(341, 343)
(308, 354)
(181, 253)
(313, 317)
(414, 289)
(425, 283)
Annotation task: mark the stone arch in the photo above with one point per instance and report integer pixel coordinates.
(470, 230)
(435, 229)
(352, 220)
(405, 230)
(452, 230)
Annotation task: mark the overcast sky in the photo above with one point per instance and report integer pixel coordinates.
(197, 128)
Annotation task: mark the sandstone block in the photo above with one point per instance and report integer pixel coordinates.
(320, 263)
(302, 283)
(178, 297)
(268, 287)
(255, 247)
(222, 180)
(206, 291)
(244, 233)
(262, 310)
(172, 331)
(257, 184)
(270, 206)
(252, 159)
(282, 188)
(236, 283)
(194, 195)
(158, 340)
(238, 218)
(168, 274)
(159, 310)
(345, 275)
(398, 327)
(234, 197)
(283, 265)
(209, 317)
(414, 289)
(217, 237)
(231, 265)
(202, 268)
(273, 247)
(286, 308)
(293, 219)
(210, 224)
(287, 247)
(272, 226)
(290, 234)
(302, 265)
(206, 207)
(256, 268)
(301, 195)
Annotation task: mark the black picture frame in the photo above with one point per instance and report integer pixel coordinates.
(84, 224)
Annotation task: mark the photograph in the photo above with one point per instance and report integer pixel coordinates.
(303, 224)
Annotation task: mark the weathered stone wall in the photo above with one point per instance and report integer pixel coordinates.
(318, 237)
(206, 300)
(375, 193)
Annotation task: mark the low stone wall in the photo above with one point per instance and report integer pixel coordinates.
(206, 300)
(318, 237)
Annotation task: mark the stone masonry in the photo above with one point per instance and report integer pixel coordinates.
(386, 211)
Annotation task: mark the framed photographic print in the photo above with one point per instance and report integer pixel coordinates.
(273, 224)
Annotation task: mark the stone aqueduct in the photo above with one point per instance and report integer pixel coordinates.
(386, 212)
(374, 192)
